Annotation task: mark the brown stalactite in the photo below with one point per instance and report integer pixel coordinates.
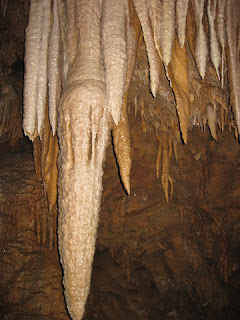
(45, 159)
(178, 75)
(122, 148)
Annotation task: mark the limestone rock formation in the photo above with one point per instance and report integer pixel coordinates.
(134, 117)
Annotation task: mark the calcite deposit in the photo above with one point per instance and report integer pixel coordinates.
(133, 109)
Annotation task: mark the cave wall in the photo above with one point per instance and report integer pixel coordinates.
(153, 259)
(170, 260)
(30, 285)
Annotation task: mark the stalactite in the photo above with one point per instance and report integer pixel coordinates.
(95, 42)
(49, 154)
(45, 160)
(221, 33)
(211, 118)
(168, 24)
(63, 39)
(32, 56)
(155, 12)
(191, 28)
(83, 132)
(121, 141)
(43, 59)
(219, 101)
(121, 136)
(54, 68)
(142, 11)
(165, 178)
(133, 36)
(214, 46)
(181, 17)
(178, 75)
(114, 54)
(71, 32)
(201, 52)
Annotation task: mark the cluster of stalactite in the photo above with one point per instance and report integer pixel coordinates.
(79, 81)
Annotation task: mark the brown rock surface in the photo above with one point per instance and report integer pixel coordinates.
(30, 285)
(154, 260)
(159, 261)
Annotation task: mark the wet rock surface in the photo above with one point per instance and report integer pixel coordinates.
(30, 284)
(153, 260)
(160, 261)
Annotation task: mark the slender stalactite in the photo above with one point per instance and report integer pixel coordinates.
(121, 139)
(181, 19)
(54, 68)
(155, 13)
(178, 75)
(211, 118)
(121, 135)
(221, 33)
(114, 54)
(142, 11)
(32, 56)
(201, 52)
(168, 26)
(43, 63)
(214, 46)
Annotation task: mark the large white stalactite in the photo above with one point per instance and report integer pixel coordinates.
(82, 53)
(82, 148)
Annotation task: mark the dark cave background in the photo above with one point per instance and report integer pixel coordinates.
(153, 260)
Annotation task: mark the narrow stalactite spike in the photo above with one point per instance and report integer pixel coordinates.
(155, 9)
(201, 51)
(121, 135)
(214, 46)
(181, 20)
(121, 140)
(178, 75)
(153, 57)
(133, 35)
(221, 32)
(168, 29)
(114, 54)
(32, 56)
(43, 63)
(211, 118)
(63, 25)
(54, 68)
